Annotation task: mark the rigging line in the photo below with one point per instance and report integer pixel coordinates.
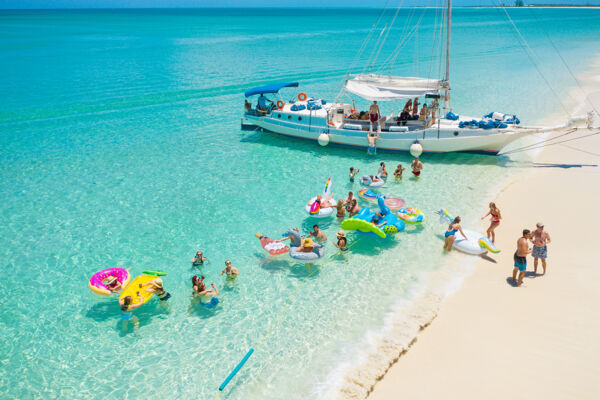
(405, 28)
(531, 56)
(543, 141)
(402, 35)
(385, 38)
(365, 69)
(406, 39)
(361, 49)
(433, 42)
(563, 60)
(552, 144)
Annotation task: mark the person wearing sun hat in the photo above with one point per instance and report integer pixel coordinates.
(342, 242)
(540, 240)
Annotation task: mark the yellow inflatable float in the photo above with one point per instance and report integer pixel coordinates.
(134, 287)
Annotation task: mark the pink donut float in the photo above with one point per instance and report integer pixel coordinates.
(96, 282)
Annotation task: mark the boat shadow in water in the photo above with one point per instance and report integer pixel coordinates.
(355, 155)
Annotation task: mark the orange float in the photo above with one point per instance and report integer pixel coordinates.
(302, 96)
(280, 104)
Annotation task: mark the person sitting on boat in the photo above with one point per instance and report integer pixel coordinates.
(403, 117)
(262, 103)
(353, 208)
(374, 116)
(424, 112)
(415, 107)
(247, 105)
(408, 106)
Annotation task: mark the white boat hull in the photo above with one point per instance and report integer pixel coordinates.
(436, 139)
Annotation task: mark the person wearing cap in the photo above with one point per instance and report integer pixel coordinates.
(342, 242)
(156, 287)
(540, 240)
(416, 166)
(318, 234)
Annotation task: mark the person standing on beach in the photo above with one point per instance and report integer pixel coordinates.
(520, 257)
(540, 240)
(494, 212)
(416, 166)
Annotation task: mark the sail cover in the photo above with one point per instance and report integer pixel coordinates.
(387, 88)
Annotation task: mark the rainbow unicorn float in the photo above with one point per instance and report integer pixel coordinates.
(326, 204)
(370, 223)
(475, 243)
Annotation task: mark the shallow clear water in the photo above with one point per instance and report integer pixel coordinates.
(120, 146)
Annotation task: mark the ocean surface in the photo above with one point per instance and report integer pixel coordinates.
(120, 145)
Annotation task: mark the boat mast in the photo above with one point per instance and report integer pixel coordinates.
(447, 102)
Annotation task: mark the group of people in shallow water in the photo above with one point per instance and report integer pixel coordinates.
(537, 237)
(200, 292)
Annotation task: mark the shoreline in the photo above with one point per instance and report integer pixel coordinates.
(450, 350)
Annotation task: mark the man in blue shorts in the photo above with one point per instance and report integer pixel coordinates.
(520, 257)
(540, 239)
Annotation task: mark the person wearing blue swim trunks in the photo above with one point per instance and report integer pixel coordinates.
(449, 234)
(520, 257)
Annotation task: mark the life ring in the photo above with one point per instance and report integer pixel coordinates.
(331, 123)
(302, 96)
(280, 104)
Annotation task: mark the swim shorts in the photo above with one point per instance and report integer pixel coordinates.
(417, 173)
(520, 262)
(540, 252)
(126, 316)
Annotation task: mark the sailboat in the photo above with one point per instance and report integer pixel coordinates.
(434, 129)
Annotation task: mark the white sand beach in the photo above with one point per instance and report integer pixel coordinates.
(492, 340)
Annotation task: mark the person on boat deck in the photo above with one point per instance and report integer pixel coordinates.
(353, 208)
(416, 166)
(435, 106)
(374, 116)
(199, 287)
(156, 287)
(323, 203)
(408, 106)
(424, 112)
(231, 271)
(247, 105)
(398, 172)
(415, 107)
(449, 234)
(318, 234)
(382, 171)
(262, 103)
(198, 259)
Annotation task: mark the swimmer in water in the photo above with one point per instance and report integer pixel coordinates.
(156, 287)
(198, 259)
(353, 173)
(342, 242)
(230, 271)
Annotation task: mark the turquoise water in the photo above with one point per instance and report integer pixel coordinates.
(120, 145)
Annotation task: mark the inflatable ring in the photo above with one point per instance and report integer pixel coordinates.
(318, 212)
(96, 282)
(411, 215)
(280, 104)
(307, 258)
(302, 96)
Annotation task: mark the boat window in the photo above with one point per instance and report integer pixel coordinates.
(289, 117)
(455, 133)
(299, 118)
(278, 115)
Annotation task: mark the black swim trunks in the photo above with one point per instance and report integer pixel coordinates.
(520, 260)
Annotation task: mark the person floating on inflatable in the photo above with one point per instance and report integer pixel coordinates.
(156, 287)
